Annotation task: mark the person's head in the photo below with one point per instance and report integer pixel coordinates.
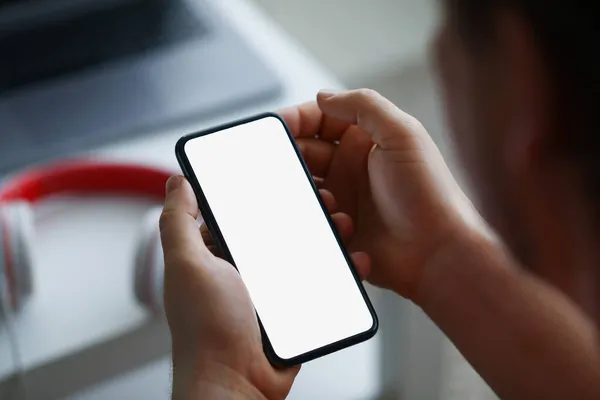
(521, 82)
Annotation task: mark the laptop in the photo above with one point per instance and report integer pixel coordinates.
(76, 74)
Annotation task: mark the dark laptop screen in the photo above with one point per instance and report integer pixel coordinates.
(71, 43)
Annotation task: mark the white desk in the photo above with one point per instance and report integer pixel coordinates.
(83, 326)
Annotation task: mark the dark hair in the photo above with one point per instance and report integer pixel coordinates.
(568, 35)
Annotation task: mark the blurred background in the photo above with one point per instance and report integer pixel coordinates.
(122, 80)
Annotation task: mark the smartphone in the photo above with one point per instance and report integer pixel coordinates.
(262, 207)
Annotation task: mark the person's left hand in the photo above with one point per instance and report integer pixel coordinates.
(216, 341)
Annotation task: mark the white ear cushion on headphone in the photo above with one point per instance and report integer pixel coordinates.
(24, 239)
(5, 292)
(18, 232)
(149, 267)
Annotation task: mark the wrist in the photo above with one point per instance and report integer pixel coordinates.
(466, 248)
(211, 390)
(212, 381)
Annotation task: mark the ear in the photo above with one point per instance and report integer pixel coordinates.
(529, 91)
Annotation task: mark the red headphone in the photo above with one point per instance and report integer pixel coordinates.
(77, 178)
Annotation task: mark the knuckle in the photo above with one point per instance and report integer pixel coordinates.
(413, 125)
(369, 104)
(368, 95)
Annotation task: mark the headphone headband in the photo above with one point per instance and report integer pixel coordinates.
(85, 177)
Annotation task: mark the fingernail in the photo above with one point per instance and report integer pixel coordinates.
(326, 94)
(174, 183)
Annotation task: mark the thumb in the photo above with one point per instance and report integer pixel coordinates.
(388, 126)
(180, 236)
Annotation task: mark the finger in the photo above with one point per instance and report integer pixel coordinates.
(388, 126)
(303, 120)
(178, 227)
(328, 200)
(362, 264)
(209, 242)
(317, 154)
(319, 182)
(216, 251)
(206, 236)
(344, 225)
(307, 121)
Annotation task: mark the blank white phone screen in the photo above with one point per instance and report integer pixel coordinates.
(279, 237)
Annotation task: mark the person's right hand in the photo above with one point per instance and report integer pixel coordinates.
(387, 174)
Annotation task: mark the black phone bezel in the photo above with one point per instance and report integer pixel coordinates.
(220, 242)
